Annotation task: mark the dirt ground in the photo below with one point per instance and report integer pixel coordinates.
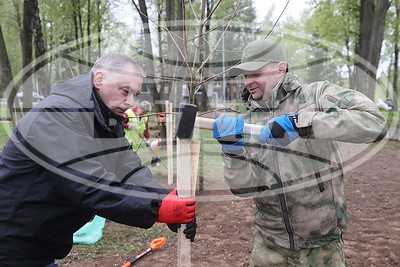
(225, 227)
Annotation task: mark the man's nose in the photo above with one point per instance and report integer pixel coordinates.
(130, 100)
(247, 81)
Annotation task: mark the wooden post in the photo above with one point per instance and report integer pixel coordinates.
(196, 144)
(170, 159)
(184, 187)
(186, 184)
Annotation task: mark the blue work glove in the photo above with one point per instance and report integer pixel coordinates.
(279, 131)
(229, 132)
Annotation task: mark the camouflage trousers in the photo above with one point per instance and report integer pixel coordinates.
(266, 254)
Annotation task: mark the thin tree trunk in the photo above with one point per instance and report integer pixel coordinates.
(40, 50)
(372, 24)
(99, 27)
(82, 46)
(396, 58)
(148, 51)
(160, 50)
(88, 29)
(180, 68)
(27, 54)
(75, 6)
(170, 10)
(7, 78)
(5, 67)
(206, 72)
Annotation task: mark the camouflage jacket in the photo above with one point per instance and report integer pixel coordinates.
(298, 190)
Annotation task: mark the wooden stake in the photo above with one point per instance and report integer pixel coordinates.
(195, 164)
(184, 187)
(170, 159)
(188, 158)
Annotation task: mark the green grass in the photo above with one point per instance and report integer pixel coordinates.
(5, 127)
(4, 113)
(119, 239)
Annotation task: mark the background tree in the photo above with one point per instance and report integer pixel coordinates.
(372, 25)
(147, 49)
(336, 21)
(26, 44)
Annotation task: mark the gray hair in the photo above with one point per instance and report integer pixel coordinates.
(116, 62)
(145, 105)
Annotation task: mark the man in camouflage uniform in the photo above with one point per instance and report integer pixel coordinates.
(293, 168)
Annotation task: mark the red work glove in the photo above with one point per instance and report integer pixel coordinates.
(174, 209)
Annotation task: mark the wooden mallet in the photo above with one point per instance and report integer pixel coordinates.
(187, 120)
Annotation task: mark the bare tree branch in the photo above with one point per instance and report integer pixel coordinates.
(276, 22)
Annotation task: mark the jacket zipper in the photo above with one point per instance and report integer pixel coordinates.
(281, 195)
(282, 200)
(315, 166)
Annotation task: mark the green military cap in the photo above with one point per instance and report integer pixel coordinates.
(256, 55)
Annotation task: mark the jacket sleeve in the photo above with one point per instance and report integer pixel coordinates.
(343, 115)
(101, 175)
(240, 174)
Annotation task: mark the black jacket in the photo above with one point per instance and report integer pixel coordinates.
(66, 161)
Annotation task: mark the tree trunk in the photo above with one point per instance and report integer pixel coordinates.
(40, 50)
(160, 50)
(75, 6)
(27, 54)
(99, 27)
(82, 46)
(6, 78)
(372, 24)
(5, 67)
(170, 62)
(148, 52)
(180, 69)
(88, 29)
(396, 58)
(206, 72)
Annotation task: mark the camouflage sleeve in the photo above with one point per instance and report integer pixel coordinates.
(238, 175)
(343, 115)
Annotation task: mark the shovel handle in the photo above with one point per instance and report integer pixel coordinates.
(208, 124)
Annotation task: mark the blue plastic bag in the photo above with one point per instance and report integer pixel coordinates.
(91, 232)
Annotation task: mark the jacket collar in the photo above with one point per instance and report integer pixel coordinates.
(108, 119)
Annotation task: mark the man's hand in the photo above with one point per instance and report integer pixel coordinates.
(279, 131)
(229, 132)
(174, 209)
(190, 231)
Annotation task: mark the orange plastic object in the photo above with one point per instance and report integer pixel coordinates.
(161, 117)
(158, 243)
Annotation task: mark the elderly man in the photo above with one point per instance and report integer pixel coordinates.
(293, 169)
(68, 160)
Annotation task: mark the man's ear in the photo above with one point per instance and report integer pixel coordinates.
(282, 67)
(98, 79)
